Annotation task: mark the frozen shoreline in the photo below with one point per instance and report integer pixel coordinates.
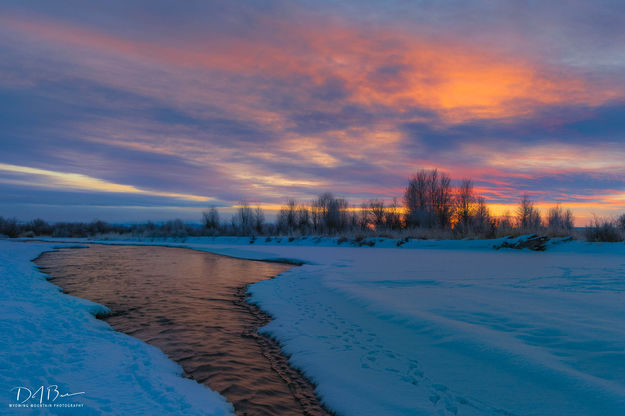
(447, 327)
(50, 338)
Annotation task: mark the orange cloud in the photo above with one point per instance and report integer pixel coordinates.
(386, 70)
(376, 68)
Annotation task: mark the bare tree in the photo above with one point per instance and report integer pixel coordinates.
(287, 217)
(303, 219)
(332, 213)
(417, 198)
(428, 199)
(620, 222)
(210, 220)
(243, 219)
(363, 217)
(40, 227)
(604, 229)
(9, 227)
(465, 200)
(315, 215)
(482, 221)
(528, 217)
(505, 223)
(352, 218)
(560, 221)
(393, 216)
(259, 219)
(377, 213)
(441, 198)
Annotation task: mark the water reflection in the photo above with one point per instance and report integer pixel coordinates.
(191, 305)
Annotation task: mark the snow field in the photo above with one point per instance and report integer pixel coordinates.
(447, 328)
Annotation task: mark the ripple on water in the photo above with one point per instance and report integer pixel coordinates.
(192, 306)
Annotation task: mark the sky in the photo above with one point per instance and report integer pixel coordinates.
(128, 111)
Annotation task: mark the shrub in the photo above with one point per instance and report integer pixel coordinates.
(9, 227)
(210, 220)
(620, 222)
(603, 230)
(559, 221)
(40, 227)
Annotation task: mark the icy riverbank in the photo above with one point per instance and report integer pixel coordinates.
(448, 327)
(49, 338)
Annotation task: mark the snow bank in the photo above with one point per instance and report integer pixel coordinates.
(407, 332)
(448, 328)
(49, 338)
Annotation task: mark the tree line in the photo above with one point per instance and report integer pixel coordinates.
(11, 227)
(431, 207)
(430, 203)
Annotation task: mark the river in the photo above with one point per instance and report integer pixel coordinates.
(192, 305)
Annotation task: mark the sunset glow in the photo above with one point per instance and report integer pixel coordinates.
(165, 107)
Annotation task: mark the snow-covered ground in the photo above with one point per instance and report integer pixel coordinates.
(48, 338)
(433, 328)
